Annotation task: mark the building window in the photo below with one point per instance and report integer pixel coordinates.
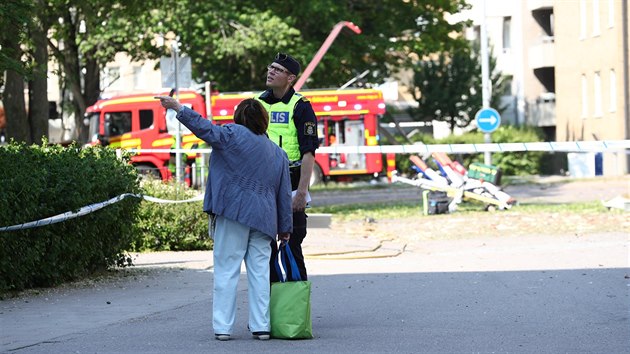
(596, 14)
(582, 19)
(613, 91)
(137, 77)
(611, 13)
(584, 97)
(597, 91)
(507, 29)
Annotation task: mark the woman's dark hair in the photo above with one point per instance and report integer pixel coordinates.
(253, 115)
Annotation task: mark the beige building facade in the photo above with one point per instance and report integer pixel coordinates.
(521, 38)
(592, 74)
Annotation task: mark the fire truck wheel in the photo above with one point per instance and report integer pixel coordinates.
(317, 176)
(149, 171)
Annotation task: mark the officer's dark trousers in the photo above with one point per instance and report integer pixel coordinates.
(295, 243)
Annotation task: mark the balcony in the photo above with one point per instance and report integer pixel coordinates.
(541, 55)
(542, 111)
(534, 5)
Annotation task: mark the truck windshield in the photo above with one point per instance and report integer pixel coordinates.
(93, 126)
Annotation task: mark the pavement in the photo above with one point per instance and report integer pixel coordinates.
(526, 295)
(530, 294)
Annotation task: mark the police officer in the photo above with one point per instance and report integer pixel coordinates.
(293, 126)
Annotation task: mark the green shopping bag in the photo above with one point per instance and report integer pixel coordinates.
(290, 303)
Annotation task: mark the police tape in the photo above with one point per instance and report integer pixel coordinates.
(92, 208)
(552, 146)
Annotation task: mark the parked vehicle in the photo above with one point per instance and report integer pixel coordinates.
(345, 117)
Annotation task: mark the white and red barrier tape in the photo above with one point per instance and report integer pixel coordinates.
(92, 208)
(553, 146)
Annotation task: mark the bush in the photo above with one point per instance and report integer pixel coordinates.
(170, 226)
(42, 181)
(516, 163)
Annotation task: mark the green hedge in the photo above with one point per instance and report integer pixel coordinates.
(175, 227)
(510, 163)
(42, 181)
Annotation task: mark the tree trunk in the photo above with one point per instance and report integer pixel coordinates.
(69, 61)
(38, 90)
(14, 105)
(92, 80)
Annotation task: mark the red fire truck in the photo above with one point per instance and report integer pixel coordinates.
(345, 117)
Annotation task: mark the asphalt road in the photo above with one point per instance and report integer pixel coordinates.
(533, 294)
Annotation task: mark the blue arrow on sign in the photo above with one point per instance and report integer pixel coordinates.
(488, 120)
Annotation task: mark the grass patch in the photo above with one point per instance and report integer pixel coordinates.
(354, 186)
(584, 207)
(372, 210)
(409, 208)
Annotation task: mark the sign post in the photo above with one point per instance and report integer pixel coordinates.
(485, 77)
(488, 120)
(176, 73)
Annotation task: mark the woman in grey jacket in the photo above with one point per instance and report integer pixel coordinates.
(249, 191)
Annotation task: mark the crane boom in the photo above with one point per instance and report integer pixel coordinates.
(323, 49)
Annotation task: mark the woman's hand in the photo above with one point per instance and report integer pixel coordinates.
(169, 102)
(285, 236)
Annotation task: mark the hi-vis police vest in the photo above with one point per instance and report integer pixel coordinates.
(281, 124)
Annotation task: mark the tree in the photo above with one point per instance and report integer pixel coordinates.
(86, 35)
(38, 113)
(394, 35)
(230, 42)
(24, 56)
(14, 21)
(448, 88)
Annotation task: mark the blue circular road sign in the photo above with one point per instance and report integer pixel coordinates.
(488, 120)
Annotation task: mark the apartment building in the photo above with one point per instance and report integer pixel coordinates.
(591, 49)
(521, 37)
(568, 60)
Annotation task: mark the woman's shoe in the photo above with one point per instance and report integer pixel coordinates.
(261, 335)
(221, 337)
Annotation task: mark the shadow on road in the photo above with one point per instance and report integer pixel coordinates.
(581, 310)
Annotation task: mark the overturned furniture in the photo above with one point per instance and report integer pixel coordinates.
(476, 184)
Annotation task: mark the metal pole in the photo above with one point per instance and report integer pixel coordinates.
(485, 76)
(626, 77)
(178, 134)
(209, 100)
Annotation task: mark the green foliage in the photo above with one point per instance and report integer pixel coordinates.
(43, 181)
(14, 20)
(174, 227)
(448, 88)
(517, 163)
(231, 42)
